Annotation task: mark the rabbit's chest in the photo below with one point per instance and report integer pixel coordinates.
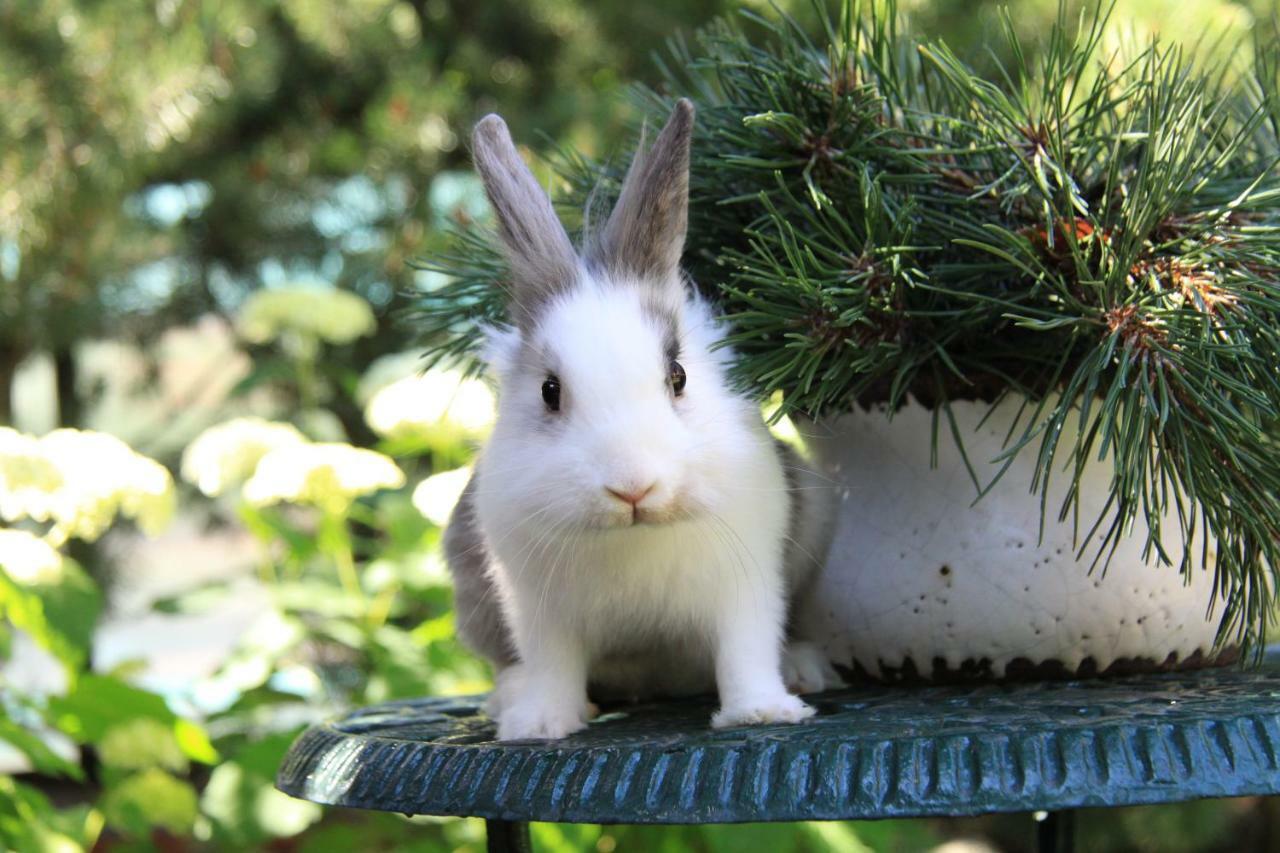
(665, 587)
(649, 618)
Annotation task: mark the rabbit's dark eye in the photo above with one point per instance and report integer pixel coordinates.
(676, 377)
(551, 393)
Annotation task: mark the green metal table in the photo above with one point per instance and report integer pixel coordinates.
(871, 752)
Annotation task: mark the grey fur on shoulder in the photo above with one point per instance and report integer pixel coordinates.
(477, 612)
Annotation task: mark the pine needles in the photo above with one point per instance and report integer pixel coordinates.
(1098, 234)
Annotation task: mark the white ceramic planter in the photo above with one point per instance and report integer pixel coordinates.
(922, 582)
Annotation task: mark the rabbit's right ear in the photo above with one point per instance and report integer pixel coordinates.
(543, 262)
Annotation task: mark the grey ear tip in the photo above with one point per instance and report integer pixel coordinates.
(682, 114)
(491, 127)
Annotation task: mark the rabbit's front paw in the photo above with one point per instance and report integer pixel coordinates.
(507, 683)
(754, 711)
(534, 720)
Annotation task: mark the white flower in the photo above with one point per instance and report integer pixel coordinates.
(27, 558)
(440, 405)
(311, 313)
(102, 478)
(327, 475)
(385, 370)
(27, 478)
(226, 455)
(80, 481)
(436, 496)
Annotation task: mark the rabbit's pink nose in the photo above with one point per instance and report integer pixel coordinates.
(630, 494)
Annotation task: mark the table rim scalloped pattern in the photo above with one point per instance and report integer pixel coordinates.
(872, 752)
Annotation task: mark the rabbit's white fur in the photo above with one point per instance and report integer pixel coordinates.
(684, 590)
(578, 581)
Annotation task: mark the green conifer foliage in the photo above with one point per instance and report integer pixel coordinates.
(1095, 233)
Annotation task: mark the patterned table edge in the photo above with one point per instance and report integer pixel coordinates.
(912, 776)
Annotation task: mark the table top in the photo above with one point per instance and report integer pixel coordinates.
(871, 752)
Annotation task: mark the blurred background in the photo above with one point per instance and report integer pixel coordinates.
(222, 474)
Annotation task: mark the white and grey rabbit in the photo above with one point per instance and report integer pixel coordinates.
(630, 522)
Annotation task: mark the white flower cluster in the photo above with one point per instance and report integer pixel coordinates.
(335, 316)
(79, 481)
(27, 559)
(226, 455)
(386, 370)
(436, 496)
(277, 464)
(27, 477)
(436, 407)
(327, 475)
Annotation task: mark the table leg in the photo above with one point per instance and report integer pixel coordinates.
(1056, 833)
(507, 836)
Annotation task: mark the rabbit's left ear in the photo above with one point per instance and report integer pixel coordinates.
(644, 236)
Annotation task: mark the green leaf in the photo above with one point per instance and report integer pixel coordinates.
(59, 612)
(194, 742)
(265, 371)
(98, 702)
(141, 743)
(151, 799)
(243, 803)
(29, 823)
(31, 745)
(198, 600)
(270, 525)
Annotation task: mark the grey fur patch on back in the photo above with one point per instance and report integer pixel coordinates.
(645, 234)
(477, 611)
(812, 503)
(542, 259)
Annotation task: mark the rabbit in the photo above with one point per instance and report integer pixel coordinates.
(630, 523)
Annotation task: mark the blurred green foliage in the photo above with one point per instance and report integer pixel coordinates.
(162, 161)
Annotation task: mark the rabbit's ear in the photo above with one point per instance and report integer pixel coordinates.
(543, 262)
(644, 236)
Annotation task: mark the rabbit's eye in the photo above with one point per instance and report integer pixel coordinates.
(551, 393)
(676, 377)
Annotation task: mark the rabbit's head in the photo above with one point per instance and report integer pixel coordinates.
(613, 406)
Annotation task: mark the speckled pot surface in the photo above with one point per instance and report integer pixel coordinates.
(922, 583)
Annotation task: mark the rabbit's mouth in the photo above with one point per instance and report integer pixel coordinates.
(646, 516)
(670, 512)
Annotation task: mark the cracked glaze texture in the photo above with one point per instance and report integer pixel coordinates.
(870, 752)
